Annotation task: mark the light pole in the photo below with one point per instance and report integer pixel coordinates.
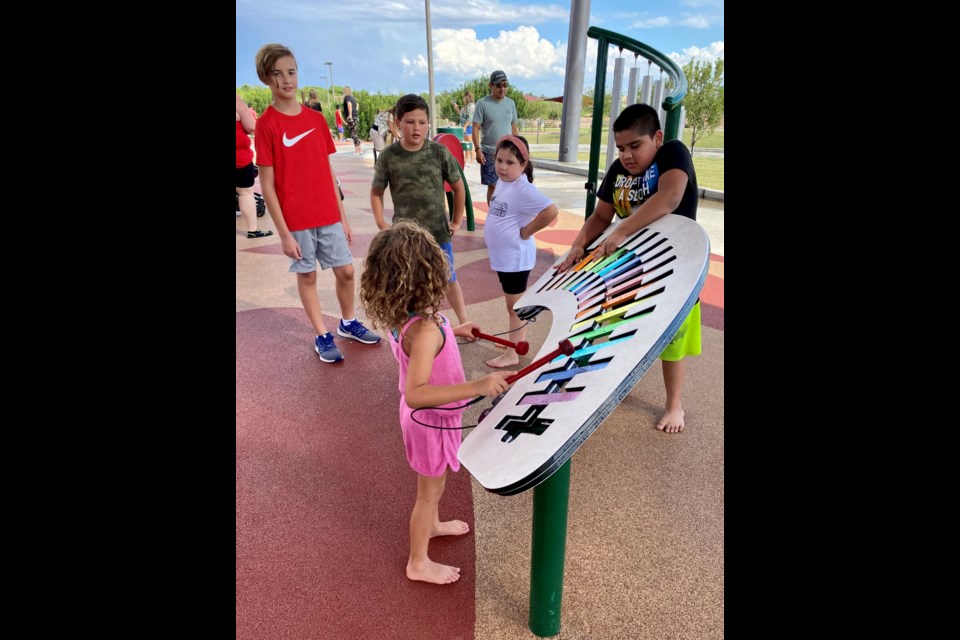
(329, 104)
(330, 64)
(433, 98)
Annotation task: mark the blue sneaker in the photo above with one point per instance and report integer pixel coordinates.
(356, 331)
(327, 349)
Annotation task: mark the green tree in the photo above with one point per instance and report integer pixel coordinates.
(543, 110)
(704, 99)
(587, 105)
(371, 105)
(257, 97)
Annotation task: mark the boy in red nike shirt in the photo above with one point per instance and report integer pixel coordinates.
(300, 190)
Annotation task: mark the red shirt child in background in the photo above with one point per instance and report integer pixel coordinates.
(339, 126)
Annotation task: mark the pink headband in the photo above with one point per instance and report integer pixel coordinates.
(518, 143)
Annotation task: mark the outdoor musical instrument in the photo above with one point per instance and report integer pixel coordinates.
(619, 312)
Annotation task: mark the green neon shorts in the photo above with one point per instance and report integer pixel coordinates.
(687, 341)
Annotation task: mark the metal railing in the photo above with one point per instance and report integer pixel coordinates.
(671, 104)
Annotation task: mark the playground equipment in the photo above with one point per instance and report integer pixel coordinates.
(619, 312)
(452, 143)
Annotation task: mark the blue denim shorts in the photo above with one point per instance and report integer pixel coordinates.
(488, 170)
(448, 249)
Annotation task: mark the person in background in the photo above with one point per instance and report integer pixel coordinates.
(378, 132)
(339, 119)
(494, 117)
(351, 116)
(246, 172)
(466, 122)
(393, 134)
(313, 102)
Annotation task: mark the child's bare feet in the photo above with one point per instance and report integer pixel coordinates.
(672, 421)
(506, 360)
(449, 528)
(431, 571)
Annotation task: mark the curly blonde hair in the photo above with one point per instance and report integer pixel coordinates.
(405, 272)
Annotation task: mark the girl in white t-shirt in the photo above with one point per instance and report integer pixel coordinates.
(517, 211)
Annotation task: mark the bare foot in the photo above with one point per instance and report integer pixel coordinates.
(449, 528)
(672, 421)
(506, 360)
(431, 571)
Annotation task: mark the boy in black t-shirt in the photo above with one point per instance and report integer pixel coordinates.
(649, 179)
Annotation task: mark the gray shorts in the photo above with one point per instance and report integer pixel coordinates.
(326, 245)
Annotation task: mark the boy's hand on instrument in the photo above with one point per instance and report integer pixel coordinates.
(612, 243)
(573, 256)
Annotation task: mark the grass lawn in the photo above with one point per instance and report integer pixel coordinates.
(712, 141)
(552, 136)
(709, 172)
(709, 169)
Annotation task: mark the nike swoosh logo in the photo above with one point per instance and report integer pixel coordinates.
(289, 142)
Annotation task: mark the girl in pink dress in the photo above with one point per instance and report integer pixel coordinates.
(403, 283)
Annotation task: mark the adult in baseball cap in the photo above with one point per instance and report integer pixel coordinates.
(494, 117)
(497, 77)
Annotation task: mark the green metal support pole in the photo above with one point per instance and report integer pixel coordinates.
(550, 500)
(468, 202)
(671, 130)
(593, 169)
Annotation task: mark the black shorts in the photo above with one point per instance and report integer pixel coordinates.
(513, 282)
(245, 176)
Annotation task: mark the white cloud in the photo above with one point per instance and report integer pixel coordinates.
(475, 12)
(399, 14)
(703, 3)
(380, 45)
(659, 21)
(415, 66)
(710, 53)
(698, 21)
(521, 53)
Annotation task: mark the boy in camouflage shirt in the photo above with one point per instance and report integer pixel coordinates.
(415, 171)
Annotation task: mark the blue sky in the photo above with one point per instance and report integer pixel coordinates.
(381, 45)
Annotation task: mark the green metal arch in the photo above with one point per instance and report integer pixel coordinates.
(671, 104)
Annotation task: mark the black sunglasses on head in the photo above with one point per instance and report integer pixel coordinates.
(502, 85)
